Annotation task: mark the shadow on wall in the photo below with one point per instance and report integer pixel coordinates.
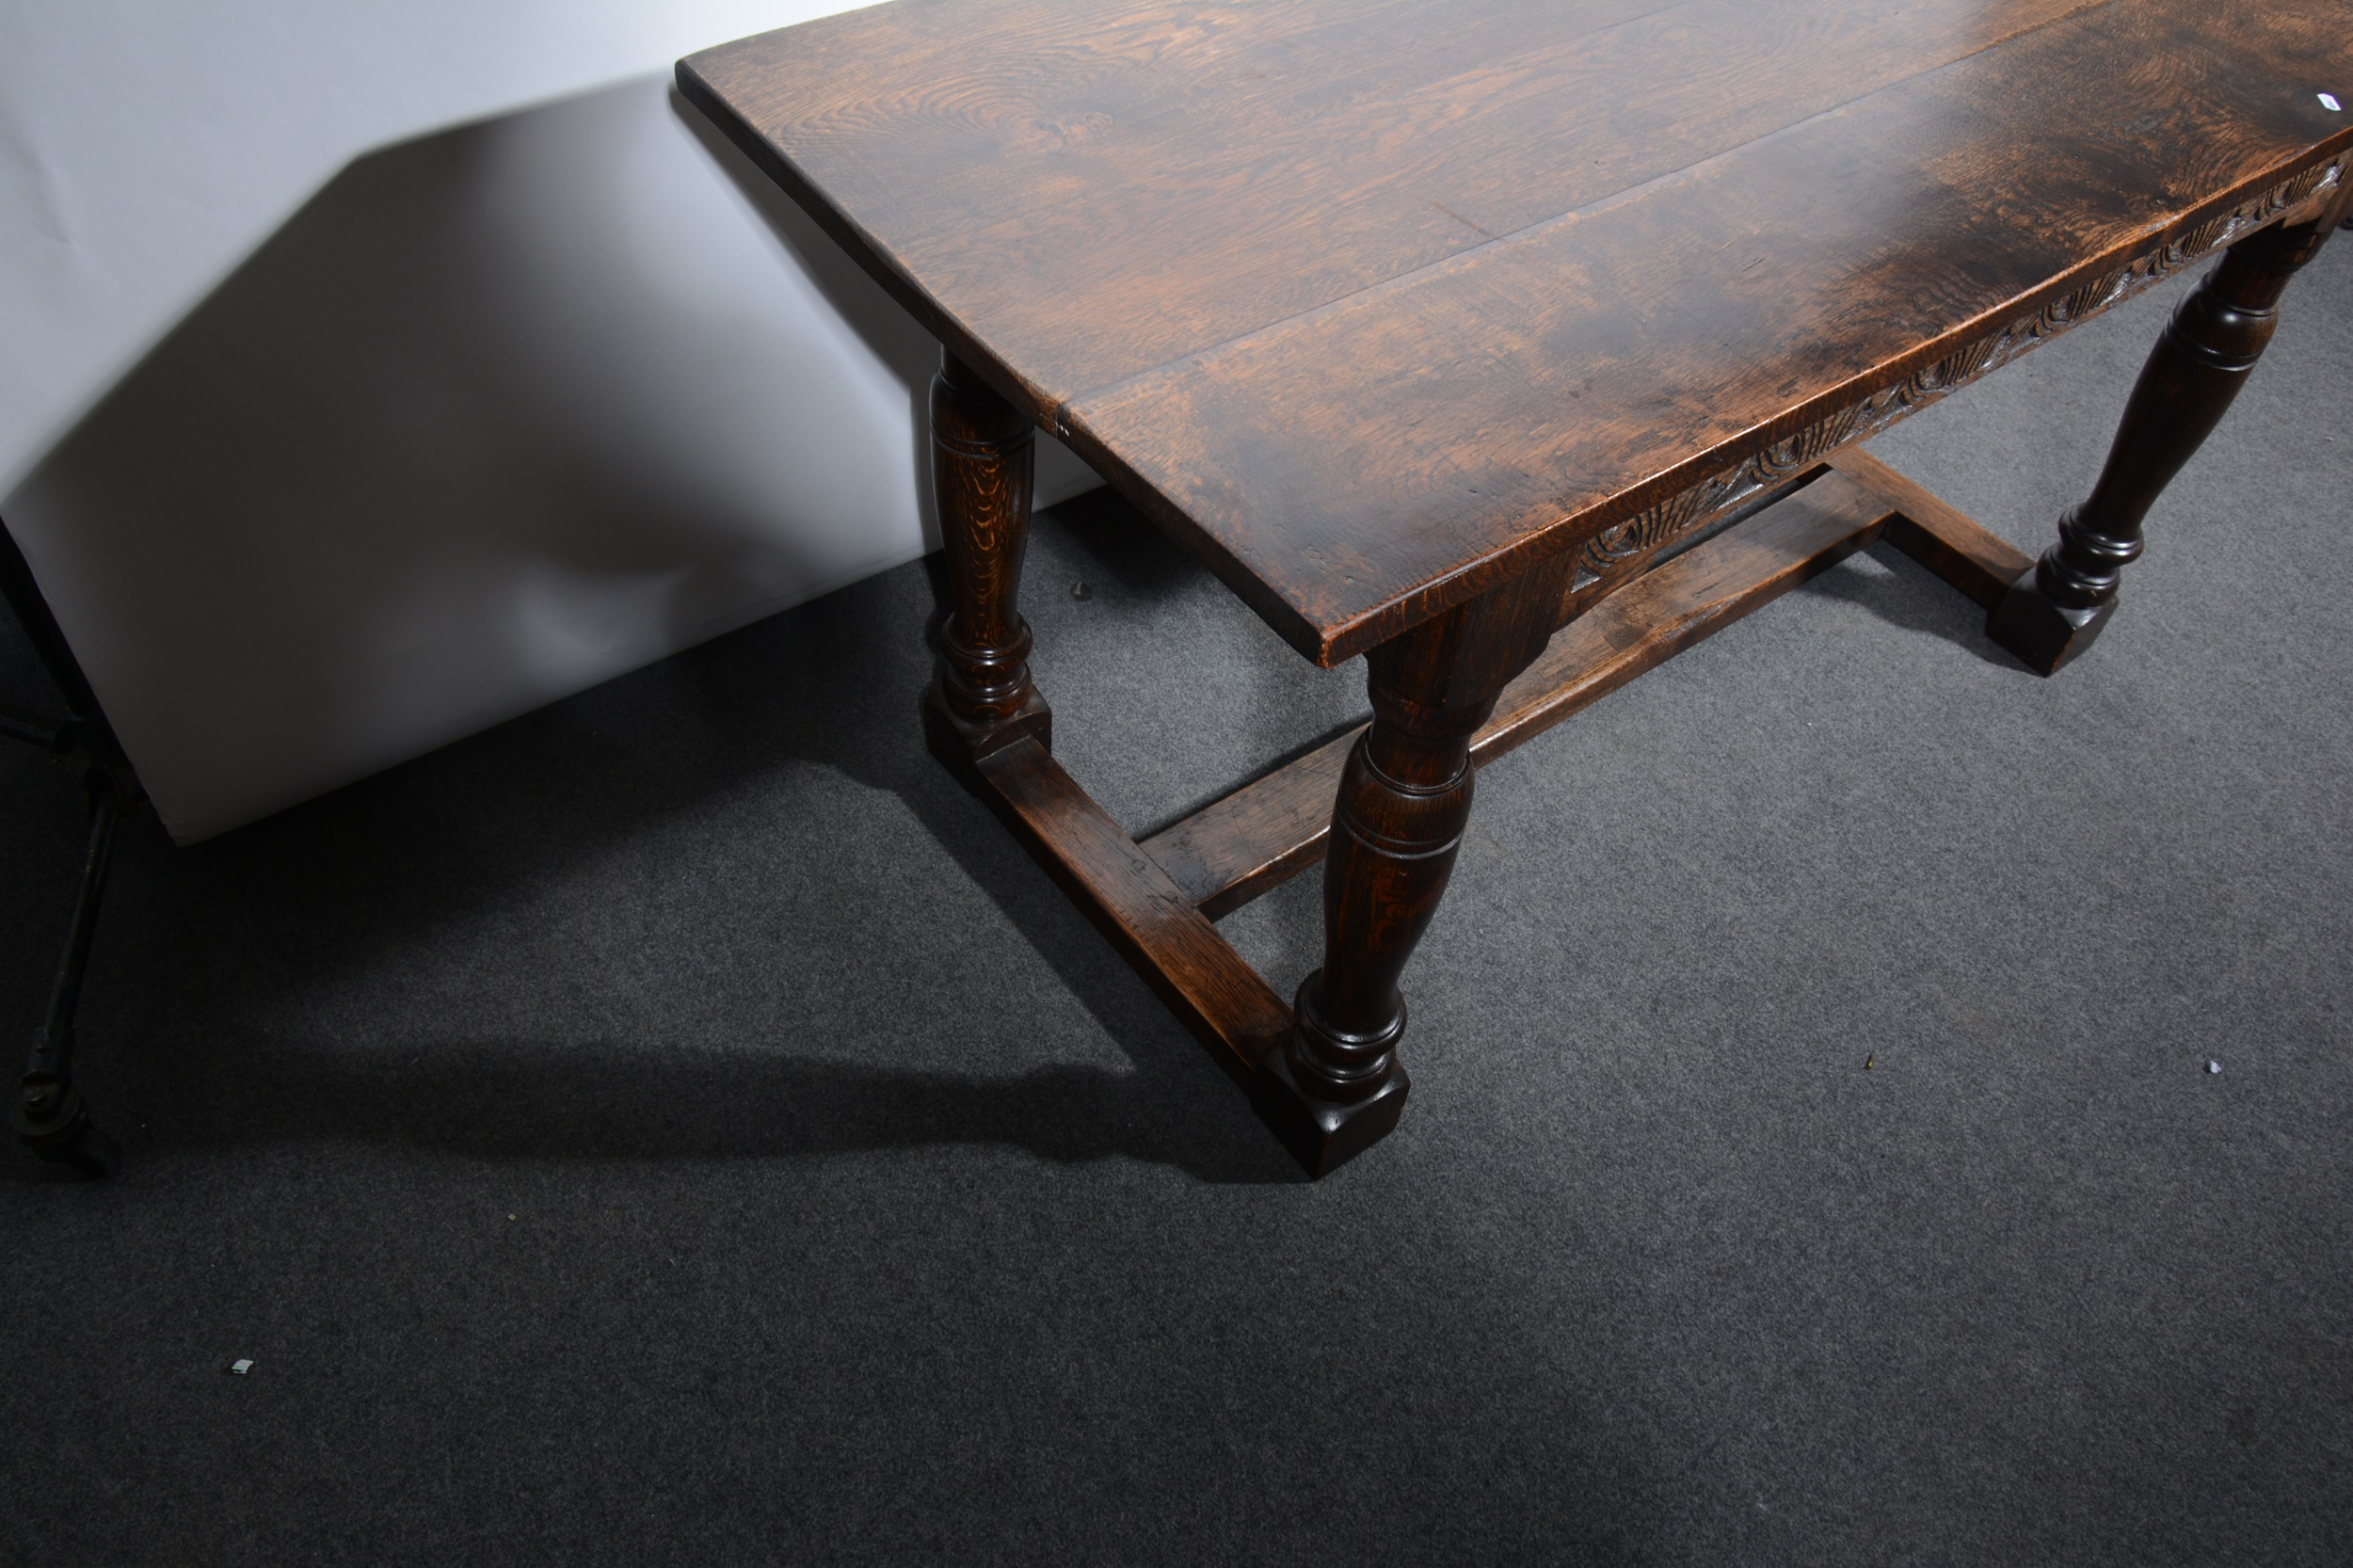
(499, 413)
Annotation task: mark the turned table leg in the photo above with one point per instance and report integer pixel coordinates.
(1404, 798)
(2053, 613)
(981, 698)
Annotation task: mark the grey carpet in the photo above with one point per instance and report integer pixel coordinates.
(679, 1127)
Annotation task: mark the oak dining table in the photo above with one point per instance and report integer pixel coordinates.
(1515, 346)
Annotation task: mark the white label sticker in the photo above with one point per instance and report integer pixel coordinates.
(2328, 101)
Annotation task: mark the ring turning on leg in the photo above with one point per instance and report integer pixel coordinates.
(1404, 799)
(2053, 613)
(982, 451)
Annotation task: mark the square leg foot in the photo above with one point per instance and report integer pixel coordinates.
(959, 745)
(2042, 634)
(1323, 1136)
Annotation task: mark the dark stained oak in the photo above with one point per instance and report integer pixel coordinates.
(1404, 799)
(1154, 901)
(1937, 534)
(1217, 996)
(1257, 837)
(1685, 601)
(1378, 303)
(1514, 344)
(1269, 830)
(2055, 610)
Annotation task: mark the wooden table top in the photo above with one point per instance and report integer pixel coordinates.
(1376, 302)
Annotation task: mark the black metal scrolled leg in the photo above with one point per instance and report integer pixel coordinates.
(2054, 612)
(49, 1116)
(32, 731)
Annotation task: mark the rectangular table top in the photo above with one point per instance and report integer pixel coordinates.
(1375, 303)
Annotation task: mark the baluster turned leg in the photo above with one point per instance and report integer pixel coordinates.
(1404, 799)
(981, 698)
(2053, 613)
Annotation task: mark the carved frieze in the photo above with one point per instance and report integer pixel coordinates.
(1646, 533)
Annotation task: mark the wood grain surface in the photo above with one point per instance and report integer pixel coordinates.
(1268, 831)
(1937, 534)
(1376, 303)
(1164, 938)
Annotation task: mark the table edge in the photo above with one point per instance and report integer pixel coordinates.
(1334, 641)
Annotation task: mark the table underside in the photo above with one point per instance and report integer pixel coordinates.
(1156, 900)
(1609, 399)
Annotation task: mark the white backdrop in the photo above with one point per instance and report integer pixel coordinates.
(378, 371)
